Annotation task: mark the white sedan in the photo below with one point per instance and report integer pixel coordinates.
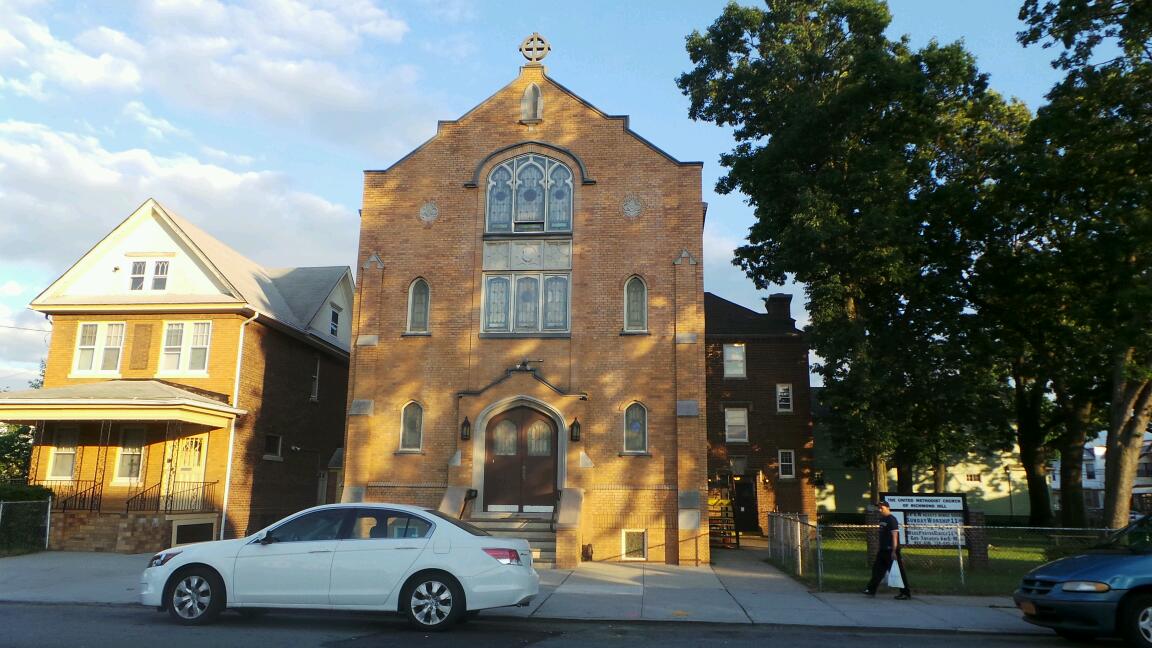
(365, 556)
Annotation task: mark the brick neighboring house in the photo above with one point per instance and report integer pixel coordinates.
(759, 410)
(189, 393)
(530, 326)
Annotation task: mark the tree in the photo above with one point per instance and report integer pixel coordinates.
(1092, 148)
(15, 451)
(858, 155)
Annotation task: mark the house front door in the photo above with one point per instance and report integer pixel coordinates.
(520, 462)
(182, 488)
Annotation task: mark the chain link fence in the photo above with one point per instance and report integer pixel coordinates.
(974, 560)
(24, 526)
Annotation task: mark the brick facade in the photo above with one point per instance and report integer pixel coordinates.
(775, 353)
(594, 373)
(275, 388)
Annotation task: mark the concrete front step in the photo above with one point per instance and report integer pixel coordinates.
(539, 534)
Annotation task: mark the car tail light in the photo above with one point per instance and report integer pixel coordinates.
(505, 556)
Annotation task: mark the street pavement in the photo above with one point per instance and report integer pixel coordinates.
(739, 587)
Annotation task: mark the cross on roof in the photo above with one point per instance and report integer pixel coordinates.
(535, 48)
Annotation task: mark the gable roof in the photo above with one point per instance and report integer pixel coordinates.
(291, 296)
(722, 317)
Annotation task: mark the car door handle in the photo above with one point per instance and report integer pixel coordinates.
(398, 548)
(321, 551)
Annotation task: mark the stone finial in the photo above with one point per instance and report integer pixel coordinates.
(535, 48)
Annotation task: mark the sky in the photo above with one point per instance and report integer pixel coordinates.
(254, 119)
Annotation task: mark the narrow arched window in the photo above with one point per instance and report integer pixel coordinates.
(635, 305)
(636, 428)
(412, 420)
(418, 302)
(531, 107)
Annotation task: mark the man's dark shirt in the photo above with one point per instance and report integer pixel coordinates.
(888, 524)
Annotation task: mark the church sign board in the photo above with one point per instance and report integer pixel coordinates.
(929, 520)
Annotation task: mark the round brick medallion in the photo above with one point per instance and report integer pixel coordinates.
(632, 206)
(429, 211)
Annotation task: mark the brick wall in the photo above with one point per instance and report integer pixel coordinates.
(613, 370)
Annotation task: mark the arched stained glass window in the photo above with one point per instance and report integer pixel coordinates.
(418, 302)
(540, 439)
(635, 305)
(496, 303)
(504, 439)
(527, 303)
(413, 421)
(636, 428)
(529, 193)
(500, 200)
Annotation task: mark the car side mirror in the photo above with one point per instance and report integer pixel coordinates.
(267, 539)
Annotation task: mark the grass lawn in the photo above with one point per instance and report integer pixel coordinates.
(1011, 554)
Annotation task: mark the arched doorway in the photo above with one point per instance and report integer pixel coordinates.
(520, 462)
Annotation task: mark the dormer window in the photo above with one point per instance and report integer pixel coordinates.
(334, 323)
(153, 274)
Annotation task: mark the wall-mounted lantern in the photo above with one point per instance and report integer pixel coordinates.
(465, 430)
(574, 429)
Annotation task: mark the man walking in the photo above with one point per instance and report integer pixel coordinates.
(888, 554)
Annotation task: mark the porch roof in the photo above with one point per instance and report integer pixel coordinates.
(116, 400)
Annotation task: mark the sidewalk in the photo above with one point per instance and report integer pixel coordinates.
(739, 588)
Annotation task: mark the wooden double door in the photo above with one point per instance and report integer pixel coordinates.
(520, 462)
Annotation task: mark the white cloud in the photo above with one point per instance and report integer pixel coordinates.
(225, 156)
(157, 127)
(60, 61)
(260, 213)
(10, 289)
(24, 337)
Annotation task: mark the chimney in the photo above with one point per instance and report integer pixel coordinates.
(779, 308)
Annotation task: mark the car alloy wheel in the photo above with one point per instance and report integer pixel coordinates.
(1138, 620)
(434, 601)
(196, 596)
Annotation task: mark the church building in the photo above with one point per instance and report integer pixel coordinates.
(528, 337)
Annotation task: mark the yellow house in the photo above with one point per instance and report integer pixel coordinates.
(189, 393)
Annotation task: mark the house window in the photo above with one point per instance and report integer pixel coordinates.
(634, 544)
(973, 477)
(130, 457)
(635, 428)
(787, 460)
(138, 278)
(315, 396)
(736, 425)
(273, 447)
(530, 104)
(1144, 469)
(529, 194)
(526, 286)
(412, 434)
(418, 302)
(186, 347)
(1089, 464)
(734, 361)
(334, 320)
(784, 397)
(98, 347)
(635, 305)
(63, 455)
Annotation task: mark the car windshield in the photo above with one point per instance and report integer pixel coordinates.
(474, 530)
(1136, 537)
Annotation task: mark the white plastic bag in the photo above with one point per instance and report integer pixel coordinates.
(895, 578)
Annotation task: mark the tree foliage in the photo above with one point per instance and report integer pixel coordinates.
(856, 152)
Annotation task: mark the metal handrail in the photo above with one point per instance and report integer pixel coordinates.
(146, 500)
(190, 496)
(63, 490)
(85, 500)
(555, 512)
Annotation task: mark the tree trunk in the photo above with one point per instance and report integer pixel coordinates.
(940, 476)
(1077, 412)
(1030, 436)
(1131, 403)
(905, 473)
(879, 477)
